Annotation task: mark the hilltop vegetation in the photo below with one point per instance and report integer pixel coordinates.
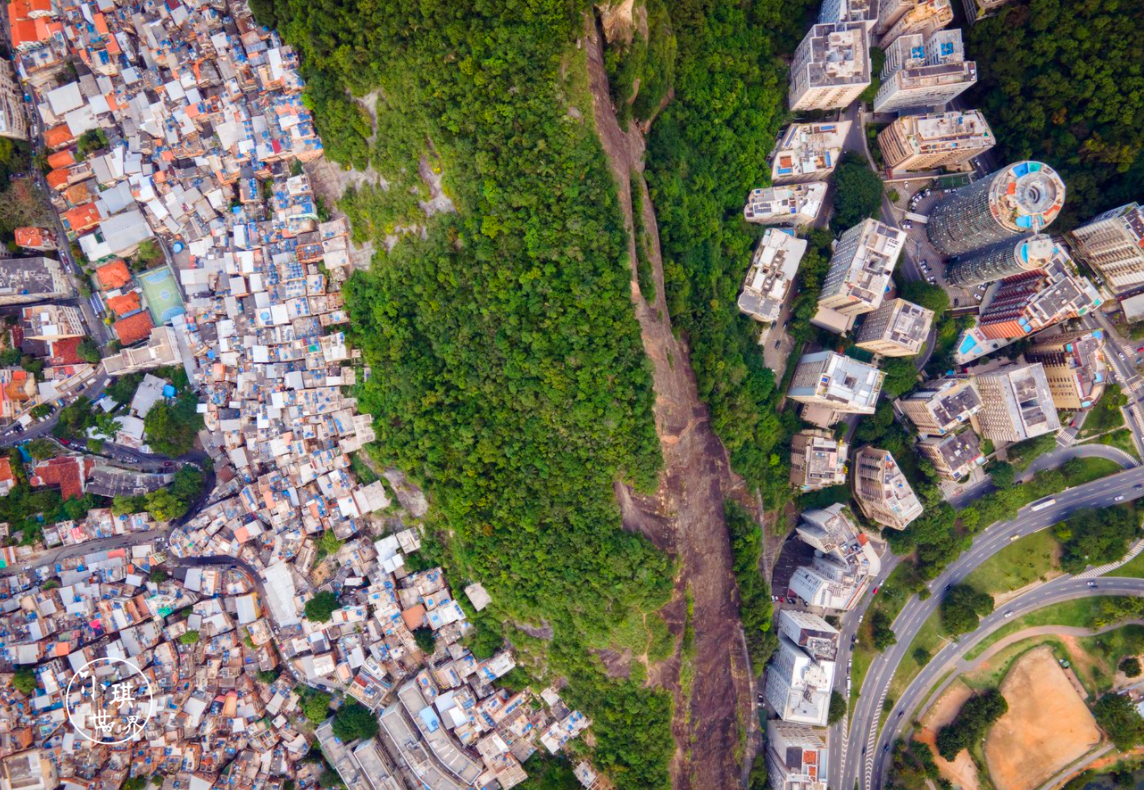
(706, 151)
(508, 371)
(1062, 82)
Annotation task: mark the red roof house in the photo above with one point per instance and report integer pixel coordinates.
(134, 328)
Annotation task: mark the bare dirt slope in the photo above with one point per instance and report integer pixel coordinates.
(685, 516)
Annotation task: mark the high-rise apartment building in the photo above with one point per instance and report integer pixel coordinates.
(796, 757)
(13, 119)
(1113, 244)
(861, 267)
(896, 329)
(1017, 403)
(897, 18)
(940, 407)
(843, 564)
(924, 72)
(1026, 254)
(954, 455)
(940, 139)
(1025, 197)
(837, 382)
(796, 204)
(51, 322)
(801, 673)
(883, 493)
(1031, 301)
(817, 460)
(861, 11)
(807, 151)
(831, 67)
(772, 270)
(1074, 365)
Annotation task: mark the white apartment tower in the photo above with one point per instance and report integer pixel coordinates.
(13, 119)
(796, 204)
(831, 67)
(796, 757)
(801, 673)
(836, 382)
(772, 270)
(1113, 244)
(882, 491)
(1017, 403)
(940, 139)
(861, 267)
(924, 72)
(807, 152)
(817, 460)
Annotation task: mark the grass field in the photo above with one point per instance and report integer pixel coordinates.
(1106, 651)
(1078, 612)
(1133, 569)
(1094, 469)
(1020, 563)
(1121, 439)
(1105, 415)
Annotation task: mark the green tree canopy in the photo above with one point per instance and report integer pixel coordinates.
(322, 606)
(353, 721)
(189, 638)
(857, 192)
(837, 707)
(24, 680)
(315, 706)
(1117, 716)
(963, 607)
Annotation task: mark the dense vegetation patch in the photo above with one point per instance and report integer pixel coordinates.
(706, 151)
(1062, 82)
(971, 723)
(508, 371)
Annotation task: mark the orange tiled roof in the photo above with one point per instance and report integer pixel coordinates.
(57, 179)
(66, 351)
(124, 303)
(81, 218)
(30, 237)
(133, 329)
(58, 136)
(64, 158)
(113, 275)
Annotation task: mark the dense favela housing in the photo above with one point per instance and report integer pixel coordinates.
(181, 128)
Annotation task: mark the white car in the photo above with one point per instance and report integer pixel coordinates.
(1119, 498)
(1008, 614)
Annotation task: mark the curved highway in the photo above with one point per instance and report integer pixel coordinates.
(1065, 588)
(847, 768)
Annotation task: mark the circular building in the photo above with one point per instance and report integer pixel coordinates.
(1023, 198)
(1001, 260)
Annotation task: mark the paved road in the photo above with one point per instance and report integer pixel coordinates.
(863, 725)
(878, 756)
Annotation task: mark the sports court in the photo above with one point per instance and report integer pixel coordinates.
(162, 292)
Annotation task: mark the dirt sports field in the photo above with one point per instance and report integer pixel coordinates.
(1047, 727)
(962, 772)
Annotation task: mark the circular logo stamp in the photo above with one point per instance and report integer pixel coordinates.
(109, 701)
